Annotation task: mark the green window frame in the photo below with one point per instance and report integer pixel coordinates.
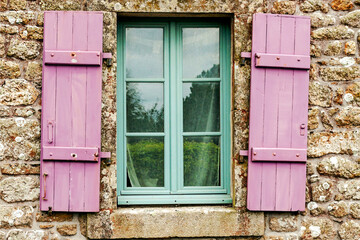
(173, 190)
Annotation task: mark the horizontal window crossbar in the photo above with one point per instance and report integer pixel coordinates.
(189, 134)
(145, 134)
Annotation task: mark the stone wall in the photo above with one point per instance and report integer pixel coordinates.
(333, 187)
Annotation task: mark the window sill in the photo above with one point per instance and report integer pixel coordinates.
(183, 221)
(174, 199)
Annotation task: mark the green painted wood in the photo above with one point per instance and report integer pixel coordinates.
(174, 192)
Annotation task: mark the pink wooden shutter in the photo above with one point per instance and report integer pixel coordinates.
(71, 112)
(278, 112)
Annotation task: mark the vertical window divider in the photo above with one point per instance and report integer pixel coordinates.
(167, 120)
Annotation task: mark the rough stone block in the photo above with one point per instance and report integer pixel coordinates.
(338, 209)
(354, 90)
(20, 234)
(350, 48)
(322, 143)
(67, 229)
(333, 33)
(19, 189)
(8, 29)
(352, 19)
(18, 92)
(350, 189)
(3, 5)
(17, 5)
(342, 5)
(333, 48)
(315, 209)
(17, 17)
(284, 7)
(313, 120)
(61, 5)
(9, 69)
(283, 224)
(321, 191)
(20, 169)
(321, 20)
(355, 210)
(5, 111)
(33, 71)
(20, 139)
(349, 116)
(339, 166)
(15, 216)
(314, 5)
(24, 112)
(2, 45)
(339, 73)
(54, 217)
(32, 32)
(315, 50)
(23, 49)
(349, 230)
(320, 94)
(317, 228)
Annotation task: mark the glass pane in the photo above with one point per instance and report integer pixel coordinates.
(201, 107)
(144, 52)
(145, 161)
(201, 161)
(144, 107)
(201, 53)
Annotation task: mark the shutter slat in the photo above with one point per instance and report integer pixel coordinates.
(276, 114)
(77, 170)
(63, 128)
(271, 102)
(48, 112)
(286, 78)
(300, 104)
(93, 112)
(257, 110)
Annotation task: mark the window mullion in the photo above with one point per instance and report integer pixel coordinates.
(173, 102)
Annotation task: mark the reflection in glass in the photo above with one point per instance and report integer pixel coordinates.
(201, 161)
(145, 161)
(201, 107)
(144, 52)
(201, 53)
(144, 107)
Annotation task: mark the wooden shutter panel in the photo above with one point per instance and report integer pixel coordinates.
(278, 112)
(71, 112)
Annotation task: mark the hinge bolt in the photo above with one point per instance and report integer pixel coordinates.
(297, 155)
(278, 58)
(254, 153)
(52, 54)
(274, 154)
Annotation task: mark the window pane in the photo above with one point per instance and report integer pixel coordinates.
(201, 53)
(144, 107)
(201, 107)
(201, 161)
(145, 161)
(144, 52)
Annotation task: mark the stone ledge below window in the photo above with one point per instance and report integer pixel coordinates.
(167, 222)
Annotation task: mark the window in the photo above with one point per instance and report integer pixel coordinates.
(173, 112)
